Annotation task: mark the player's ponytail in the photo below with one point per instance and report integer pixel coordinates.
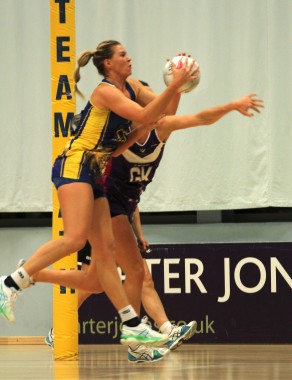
(82, 61)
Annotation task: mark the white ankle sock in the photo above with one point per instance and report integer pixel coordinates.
(127, 313)
(166, 328)
(21, 278)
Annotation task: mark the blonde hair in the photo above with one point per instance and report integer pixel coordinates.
(103, 51)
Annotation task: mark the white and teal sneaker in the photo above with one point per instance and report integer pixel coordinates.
(49, 339)
(179, 334)
(143, 354)
(142, 334)
(7, 299)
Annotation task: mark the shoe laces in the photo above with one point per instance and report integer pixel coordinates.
(147, 327)
(141, 349)
(174, 329)
(173, 326)
(14, 295)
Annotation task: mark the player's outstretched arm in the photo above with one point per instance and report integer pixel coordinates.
(245, 106)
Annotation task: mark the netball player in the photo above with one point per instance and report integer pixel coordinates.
(122, 206)
(77, 175)
(133, 266)
(125, 178)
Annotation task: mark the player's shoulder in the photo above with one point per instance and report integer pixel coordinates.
(103, 92)
(134, 81)
(135, 84)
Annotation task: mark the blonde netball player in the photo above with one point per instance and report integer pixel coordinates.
(77, 175)
(172, 123)
(126, 177)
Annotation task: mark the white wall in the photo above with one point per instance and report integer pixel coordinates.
(242, 46)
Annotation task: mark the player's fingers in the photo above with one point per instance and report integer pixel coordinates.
(255, 109)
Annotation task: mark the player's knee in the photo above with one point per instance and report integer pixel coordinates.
(111, 247)
(148, 281)
(134, 271)
(90, 283)
(104, 247)
(73, 243)
(77, 243)
(138, 270)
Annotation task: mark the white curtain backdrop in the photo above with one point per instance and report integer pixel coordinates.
(242, 46)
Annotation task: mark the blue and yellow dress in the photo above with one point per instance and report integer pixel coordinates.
(98, 135)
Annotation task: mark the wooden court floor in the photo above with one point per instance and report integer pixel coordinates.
(189, 362)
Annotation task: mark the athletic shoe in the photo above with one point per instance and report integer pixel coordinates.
(142, 334)
(179, 334)
(7, 299)
(143, 354)
(49, 339)
(145, 320)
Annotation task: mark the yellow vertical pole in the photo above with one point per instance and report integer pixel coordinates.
(62, 27)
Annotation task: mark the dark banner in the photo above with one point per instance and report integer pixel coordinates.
(238, 293)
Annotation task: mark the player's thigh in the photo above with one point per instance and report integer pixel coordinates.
(76, 203)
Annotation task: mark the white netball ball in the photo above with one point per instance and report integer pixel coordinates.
(179, 61)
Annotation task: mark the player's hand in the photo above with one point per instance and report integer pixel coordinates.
(248, 102)
(184, 72)
(143, 245)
